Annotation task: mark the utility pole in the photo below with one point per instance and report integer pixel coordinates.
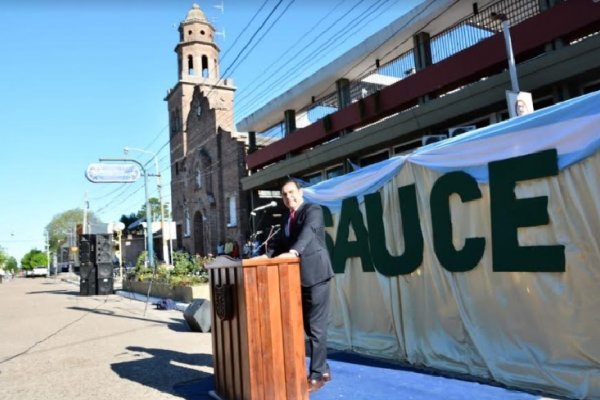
(86, 205)
(48, 251)
(165, 247)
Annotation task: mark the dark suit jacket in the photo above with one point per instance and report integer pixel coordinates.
(307, 237)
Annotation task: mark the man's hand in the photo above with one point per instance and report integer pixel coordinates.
(289, 254)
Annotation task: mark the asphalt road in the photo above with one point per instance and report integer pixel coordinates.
(55, 344)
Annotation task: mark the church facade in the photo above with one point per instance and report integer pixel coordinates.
(207, 155)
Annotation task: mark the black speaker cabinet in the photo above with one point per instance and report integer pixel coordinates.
(105, 286)
(87, 287)
(87, 271)
(103, 249)
(85, 249)
(105, 270)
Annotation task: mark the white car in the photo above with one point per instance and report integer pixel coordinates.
(37, 271)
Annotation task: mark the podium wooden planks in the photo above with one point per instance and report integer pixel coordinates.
(257, 330)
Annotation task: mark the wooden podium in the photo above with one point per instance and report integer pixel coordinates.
(257, 330)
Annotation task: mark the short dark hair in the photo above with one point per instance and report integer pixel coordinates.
(290, 180)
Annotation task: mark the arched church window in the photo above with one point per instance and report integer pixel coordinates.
(204, 66)
(190, 65)
(187, 230)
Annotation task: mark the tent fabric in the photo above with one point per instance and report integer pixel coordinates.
(537, 331)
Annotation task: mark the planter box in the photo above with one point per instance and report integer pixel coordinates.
(184, 294)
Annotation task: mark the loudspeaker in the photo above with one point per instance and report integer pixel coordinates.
(197, 315)
(105, 271)
(87, 271)
(87, 287)
(105, 286)
(103, 249)
(84, 249)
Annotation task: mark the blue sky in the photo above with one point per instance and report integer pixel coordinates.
(83, 79)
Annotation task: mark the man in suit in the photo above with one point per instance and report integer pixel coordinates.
(304, 236)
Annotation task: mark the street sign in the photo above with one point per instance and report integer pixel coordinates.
(112, 172)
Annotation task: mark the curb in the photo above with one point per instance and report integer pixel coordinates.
(135, 296)
(151, 300)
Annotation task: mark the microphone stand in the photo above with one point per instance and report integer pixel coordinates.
(272, 232)
(253, 223)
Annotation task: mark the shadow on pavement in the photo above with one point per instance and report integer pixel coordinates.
(176, 324)
(59, 291)
(167, 371)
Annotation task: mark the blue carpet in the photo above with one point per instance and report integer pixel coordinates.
(357, 377)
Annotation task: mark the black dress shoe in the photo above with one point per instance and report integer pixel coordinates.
(315, 384)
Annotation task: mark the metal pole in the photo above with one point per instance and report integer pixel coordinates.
(149, 234)
(85, 210)
(119, 233)
(512, 69)
(162, 214)
(48, 251)
(165, 250)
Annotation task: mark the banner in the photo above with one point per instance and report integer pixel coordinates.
(478, 254)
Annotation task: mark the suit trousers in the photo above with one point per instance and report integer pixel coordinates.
(315, 312)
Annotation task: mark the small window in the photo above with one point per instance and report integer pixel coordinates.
(232, 214)
(186, 223)
(202, 33)
(335, 171)
(204, 67)
(374, 158)
(312, 178)
(190, 65)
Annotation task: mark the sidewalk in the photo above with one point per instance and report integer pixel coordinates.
(59, 345)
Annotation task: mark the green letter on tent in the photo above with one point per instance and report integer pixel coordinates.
(451, 259)
(384, 262)
(344, 249)
(510, 213)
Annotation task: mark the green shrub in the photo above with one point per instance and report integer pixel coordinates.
(186, 270)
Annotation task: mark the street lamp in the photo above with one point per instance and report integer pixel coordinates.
(149, 236)
(160, 199)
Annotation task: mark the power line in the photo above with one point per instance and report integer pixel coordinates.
(286, 74)
(244, 29)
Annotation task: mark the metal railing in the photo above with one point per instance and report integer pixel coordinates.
(462, 35)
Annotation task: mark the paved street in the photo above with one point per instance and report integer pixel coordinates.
(55, 344)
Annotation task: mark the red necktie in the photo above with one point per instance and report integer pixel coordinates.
(290, 222)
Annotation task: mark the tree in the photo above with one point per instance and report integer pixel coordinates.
(62, 227)
(34, 258)
(155, 206)
(11, 265)
(3, 257)
(128, 220)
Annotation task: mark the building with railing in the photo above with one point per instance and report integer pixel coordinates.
(435, 72)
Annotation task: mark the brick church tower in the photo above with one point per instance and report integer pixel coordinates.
(207, 157)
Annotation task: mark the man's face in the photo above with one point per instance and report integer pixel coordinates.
(291, 195)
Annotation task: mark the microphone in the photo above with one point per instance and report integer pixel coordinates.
(269, 205)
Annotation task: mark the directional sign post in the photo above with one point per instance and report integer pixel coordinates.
(125, 170)
(113, 172)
